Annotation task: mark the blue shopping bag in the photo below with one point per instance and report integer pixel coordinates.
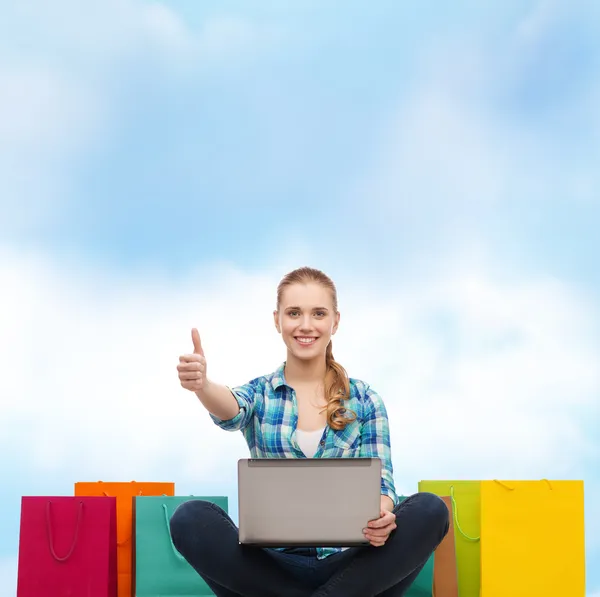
(159, 569)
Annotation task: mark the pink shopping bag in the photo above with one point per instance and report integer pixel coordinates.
(67, 547)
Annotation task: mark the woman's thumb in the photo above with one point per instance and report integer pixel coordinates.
(197, 343)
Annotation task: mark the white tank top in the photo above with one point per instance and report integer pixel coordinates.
(309, 441)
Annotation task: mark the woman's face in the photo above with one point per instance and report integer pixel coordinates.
(306, 319)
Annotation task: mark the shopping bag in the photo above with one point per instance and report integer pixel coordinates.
(67, 547)
(445, 576)
(159, 568)
(466, 501)
(532, 538)
(124, 493)
(423, 584)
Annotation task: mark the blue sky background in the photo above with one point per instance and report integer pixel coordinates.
(162, 165)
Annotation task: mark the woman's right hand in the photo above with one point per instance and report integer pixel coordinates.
(192, 367)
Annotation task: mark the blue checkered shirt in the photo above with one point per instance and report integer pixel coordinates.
(268, 418)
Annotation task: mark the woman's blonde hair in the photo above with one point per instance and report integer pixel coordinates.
(337, 384)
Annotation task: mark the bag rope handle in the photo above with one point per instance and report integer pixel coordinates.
(455, 510)
(51, 538)
(509, 488)
(169, 533)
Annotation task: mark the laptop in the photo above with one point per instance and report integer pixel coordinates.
(307, 502)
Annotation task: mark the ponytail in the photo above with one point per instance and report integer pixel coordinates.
(337, 388)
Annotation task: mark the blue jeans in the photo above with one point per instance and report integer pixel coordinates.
(208, 539)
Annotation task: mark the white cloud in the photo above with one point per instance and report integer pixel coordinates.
(105, 31)
(165, 27)
(106, 353)
(534, 25)
(489, 123)
(46, 118)
(441, 148)
(35, 107)
(227, 35)
(112, 33)
(59, 97)
(487, 375)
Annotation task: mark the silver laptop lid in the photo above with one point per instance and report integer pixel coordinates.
(317, 502)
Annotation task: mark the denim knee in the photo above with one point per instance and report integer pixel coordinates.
(437, 509)
(187, 517)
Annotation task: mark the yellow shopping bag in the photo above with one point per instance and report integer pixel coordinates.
(532, 539)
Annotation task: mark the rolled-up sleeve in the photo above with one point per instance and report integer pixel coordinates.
(375, 441)
(246, 399)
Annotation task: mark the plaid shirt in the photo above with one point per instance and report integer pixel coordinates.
(268, 418)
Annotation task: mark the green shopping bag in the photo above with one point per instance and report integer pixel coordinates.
(160, 570)
(466, 506)
(423, 585)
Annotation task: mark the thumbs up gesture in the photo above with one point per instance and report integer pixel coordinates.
(192, 367)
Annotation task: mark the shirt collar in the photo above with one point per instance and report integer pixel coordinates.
(278, 378)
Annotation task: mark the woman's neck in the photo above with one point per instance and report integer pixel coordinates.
(304, 371)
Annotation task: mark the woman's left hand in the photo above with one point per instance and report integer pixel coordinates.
(379, 530)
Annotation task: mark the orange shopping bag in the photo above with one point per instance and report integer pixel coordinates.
(445, 573)
(125, 494)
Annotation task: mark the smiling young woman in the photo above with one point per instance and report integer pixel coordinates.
(307, 317)
(320, 412)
